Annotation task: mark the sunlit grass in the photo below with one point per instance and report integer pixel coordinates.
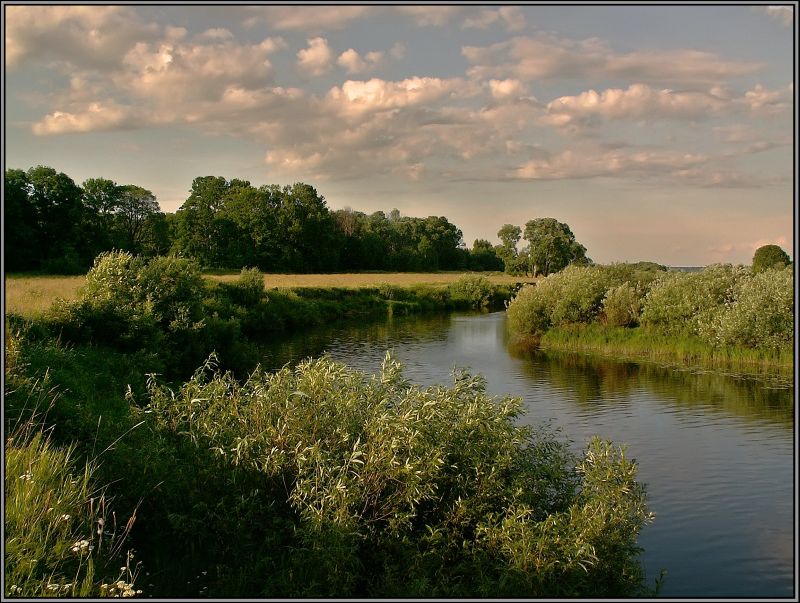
(647, 344)
(33, 295)
(30, 295)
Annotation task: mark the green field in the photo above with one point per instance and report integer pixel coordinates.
(30, 295)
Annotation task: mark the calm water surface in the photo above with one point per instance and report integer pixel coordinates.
(716, 451)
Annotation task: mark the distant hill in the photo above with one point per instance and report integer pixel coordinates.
(686, 268)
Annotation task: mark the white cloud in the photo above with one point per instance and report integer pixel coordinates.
(352, 62)
(316, 59)
(785, 14)
(551, 57)
(585, 164)
(636, 102)
(306, 18)
(96, 117)
(504, 89)
(359, 97)
(87, 35)
(175, 71)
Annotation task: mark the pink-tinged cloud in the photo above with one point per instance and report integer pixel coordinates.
(353, 63)
(316, 59)
(551, 57)
(96, 117)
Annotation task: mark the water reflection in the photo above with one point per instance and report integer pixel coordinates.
(716, 451)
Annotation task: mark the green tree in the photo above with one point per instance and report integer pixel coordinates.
(509, 236)
(21, 233)
(134, 207)
(552, 246)
(769, 256)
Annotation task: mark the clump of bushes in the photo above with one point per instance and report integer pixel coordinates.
(393, 489)
(622, 305)
(722, 305)
(475, 291)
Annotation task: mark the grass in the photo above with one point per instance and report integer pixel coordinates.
(31, 295)
(646, 344)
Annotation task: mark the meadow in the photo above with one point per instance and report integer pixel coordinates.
(32, 295)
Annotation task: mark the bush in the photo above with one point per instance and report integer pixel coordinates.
(473, 291)
(249, 287)
(419, 491)
(762, 315)
(621, 306)
(687, 302)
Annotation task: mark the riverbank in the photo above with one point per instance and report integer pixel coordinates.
(640, 343)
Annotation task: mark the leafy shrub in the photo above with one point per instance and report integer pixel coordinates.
(530, 311)
(114, 279)
(249, 287)
(419, 491)
(172, 288)
(687, 302)
(762, 315)
(621, 306)
(473, 290)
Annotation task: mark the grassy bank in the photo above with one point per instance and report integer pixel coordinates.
(641, 343)
(32, 295)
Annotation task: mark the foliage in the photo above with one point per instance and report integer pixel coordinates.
(61, 538)
(418, 491)
(621, 306)
(476, 291)
(687, 302)
(552, 246)
(762, 314)
(769, 256)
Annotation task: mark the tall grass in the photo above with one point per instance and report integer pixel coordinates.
(649, 344)
(61, 536)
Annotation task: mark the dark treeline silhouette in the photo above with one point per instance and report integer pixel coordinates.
(53, 225)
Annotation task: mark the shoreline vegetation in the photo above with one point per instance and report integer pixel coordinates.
(643, 345)
(724, 317)
(315, 480)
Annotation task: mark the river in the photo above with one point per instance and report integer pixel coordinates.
(715, 450)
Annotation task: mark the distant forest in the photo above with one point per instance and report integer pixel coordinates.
(54, 225)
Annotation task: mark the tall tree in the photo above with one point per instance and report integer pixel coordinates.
(769, 256)
(134, 207)
(552, 246)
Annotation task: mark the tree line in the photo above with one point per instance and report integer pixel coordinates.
(54, 225)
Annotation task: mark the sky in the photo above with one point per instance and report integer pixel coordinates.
(656, 132)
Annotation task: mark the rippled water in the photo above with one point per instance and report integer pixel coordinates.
(716, 451)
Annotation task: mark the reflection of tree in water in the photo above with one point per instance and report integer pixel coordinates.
(591, 380)
(357, 333)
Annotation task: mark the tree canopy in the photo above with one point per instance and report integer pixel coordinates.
(770, 256)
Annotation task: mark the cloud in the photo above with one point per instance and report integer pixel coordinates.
(195, 72)
(510, 16)
(96, 117)
(765, 102)
(359, 97)
(583, 164)
(398, 51)
(95, 36)
(547, 56)
(316, 59)
(305, 18)
(435, 16)
(504, 89)
(784, 14)
(636, 102)
(352, 62)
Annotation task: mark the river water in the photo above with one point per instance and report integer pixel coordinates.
(715, 450)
